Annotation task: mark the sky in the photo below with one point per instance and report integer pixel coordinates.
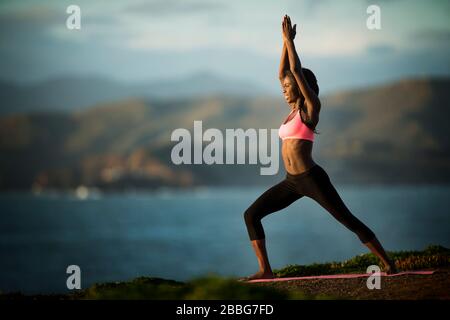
(135, 40)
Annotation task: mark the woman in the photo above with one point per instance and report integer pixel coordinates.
(304, 177)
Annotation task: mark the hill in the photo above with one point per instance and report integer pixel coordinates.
(396, 133)
(67, 94)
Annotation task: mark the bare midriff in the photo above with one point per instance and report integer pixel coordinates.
(297, 155)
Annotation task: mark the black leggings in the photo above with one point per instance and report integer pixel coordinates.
(313, 183)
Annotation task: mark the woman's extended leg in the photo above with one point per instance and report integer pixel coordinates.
(377, 249)
(322, 190)
(274, 199)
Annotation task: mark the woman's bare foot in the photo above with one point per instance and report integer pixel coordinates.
(377, 249)
(259, 275)
(390, 268)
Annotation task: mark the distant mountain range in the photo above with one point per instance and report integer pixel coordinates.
(72, 93)
(396, 133)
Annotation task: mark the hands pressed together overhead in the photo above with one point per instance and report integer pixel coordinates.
(288, 32)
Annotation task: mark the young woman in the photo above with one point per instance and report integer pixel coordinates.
(304, 177)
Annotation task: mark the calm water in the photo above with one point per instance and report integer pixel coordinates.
(181, 235)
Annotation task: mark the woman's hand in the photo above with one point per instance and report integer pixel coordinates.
(288, 32)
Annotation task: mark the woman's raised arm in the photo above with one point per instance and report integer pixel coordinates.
(311, 99)
(284, 63)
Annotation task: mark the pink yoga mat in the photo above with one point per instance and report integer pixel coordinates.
(343, 276)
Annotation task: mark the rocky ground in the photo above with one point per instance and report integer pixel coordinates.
(402, 287)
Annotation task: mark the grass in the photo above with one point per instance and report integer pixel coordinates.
(205, 288)
(432, 257)
(213, 287)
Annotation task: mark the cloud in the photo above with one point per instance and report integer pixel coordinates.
(432, 35)
(163, 8)
(23, 29)
(32, 16)
(380, 49)
(116, 41)
(375, 2)
(437, 39)
(310, 7)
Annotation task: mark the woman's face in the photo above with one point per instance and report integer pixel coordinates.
(290, 90)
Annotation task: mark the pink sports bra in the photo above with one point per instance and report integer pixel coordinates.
(295, 129)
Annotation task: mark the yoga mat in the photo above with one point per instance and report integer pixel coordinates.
(343, 276)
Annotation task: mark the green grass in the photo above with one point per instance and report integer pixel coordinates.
(432, 257)
(213, 287)
(205, 288)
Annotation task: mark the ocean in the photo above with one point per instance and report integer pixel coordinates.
(182, 235)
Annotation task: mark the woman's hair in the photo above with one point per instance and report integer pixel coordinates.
(310, 78)
(312, 82)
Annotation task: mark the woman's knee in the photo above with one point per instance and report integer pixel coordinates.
(251, 216)
(365, 234)
(355, 225)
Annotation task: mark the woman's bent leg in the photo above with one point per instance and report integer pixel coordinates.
(274, 199)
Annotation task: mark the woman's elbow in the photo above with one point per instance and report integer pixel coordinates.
(295, 70)
(314, 103)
